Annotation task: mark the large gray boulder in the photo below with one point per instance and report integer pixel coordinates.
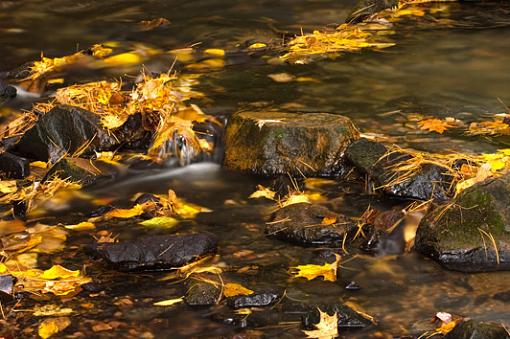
(460, 237)
(272, 143)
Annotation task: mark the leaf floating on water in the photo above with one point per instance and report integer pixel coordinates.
(52, 326)
(234, 290)
(257, 45)
(123, 213)
(128, 58)
(163, 222)
(311, 271)
(327, 328)
(434, 125)
(51, 310)
(295, 198)
(263, 192)
(82, 226)
(59, 272)
(169, 302)
(215, 52)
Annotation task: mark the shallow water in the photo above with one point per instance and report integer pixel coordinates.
(461, 71)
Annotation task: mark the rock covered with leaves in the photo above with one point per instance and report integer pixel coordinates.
(272, 143)
(472, 233)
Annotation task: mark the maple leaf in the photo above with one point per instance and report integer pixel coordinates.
(263, 192)
(327, 328)
(310, 271)
(233, 290)
(434, 125)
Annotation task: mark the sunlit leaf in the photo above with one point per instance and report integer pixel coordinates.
(123, 213)
(327, 328)
(128, 58)
(169, 302)
(295, 198)
(257, 45)
(234, 289)
(59, 272)
(163, 222)
(263, 192)
(329, 220)
(215, 52)
(39, 164)
(311, 271)
(434, 125)
(8, 186)
(82, 226)
(52, 326)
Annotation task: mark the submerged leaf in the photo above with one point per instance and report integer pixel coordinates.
(311, 271)
(234, 290)
(327, 328)
(52, 326)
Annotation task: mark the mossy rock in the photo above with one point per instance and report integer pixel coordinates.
(273, 143)
(459, 237)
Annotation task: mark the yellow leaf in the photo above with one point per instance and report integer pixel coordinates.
(8, 186)
(3, 268)
(100, 51)
(497, 164)
(59, 272)
(329, 220)
(82, 226)
(128, 58)
(169, 302)
(51, 310)
(434, 125)
(215, 51)
(263, 192)
(257, 45)
(52, 326)
(295, 199)
(327, 328)
(164, 222)
(310, 271)
(123, 213)
(233, 290)
(39, 164)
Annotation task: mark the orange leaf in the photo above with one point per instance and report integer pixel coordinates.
(434, 125)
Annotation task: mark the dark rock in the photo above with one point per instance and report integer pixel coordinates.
(347, 318)
(365, 8)
(200, 293)
(19, 209)
(283, 185)
(477, 330)
(132, 134)
(100, 211)
(273, 143)
(302, 224)
(430, 181)
(6, 288)
(64, 130)
(7, 91)
(14, 167)
(352, 286)
(160, 252)
(74, 169)
(454, 237)
(503, 296)
(254, 300)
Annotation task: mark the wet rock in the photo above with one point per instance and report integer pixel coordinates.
(347, 318)
(160, 252)
(477, 330)
(6, 288)
(74, 169)
(14, 167)
(7, 91)
(365, 8)
(200, 293)
(272, 143)
(302, 224)
(372, 158)
(64, 130)
(254, 300)
(283, 185)
(455, 237)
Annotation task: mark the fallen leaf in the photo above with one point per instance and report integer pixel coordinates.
(434, 125)
(327, 328)
(148, 25)
(51, 310)
(295, 198)
(123, 213)
(59, 272)
(329, 220)
(8, 186)
(263, 192)
(82, 226)
(163, 222)
(51, 326)
(257, 45)
(233, 290)
(327, 271)
(169, 302)
(215, 52)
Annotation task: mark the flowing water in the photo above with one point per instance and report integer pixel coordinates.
(461, 71)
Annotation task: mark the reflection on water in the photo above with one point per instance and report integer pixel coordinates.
(460, 72)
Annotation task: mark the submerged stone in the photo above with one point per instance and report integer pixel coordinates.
(14, 167)
(272, 143)
(200, 293)
(477, 330)
(372, 158)
(473, 234)
(303, 224)
(64, 130)
(254, 300)
(159, 252)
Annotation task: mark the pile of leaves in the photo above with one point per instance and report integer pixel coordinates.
(373, 33)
